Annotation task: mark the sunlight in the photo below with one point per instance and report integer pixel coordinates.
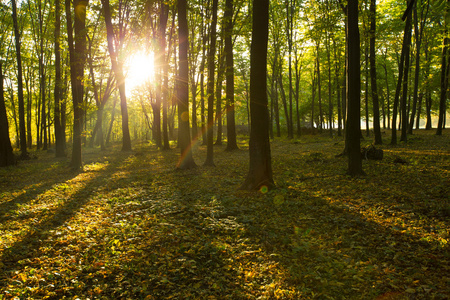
(140, 70)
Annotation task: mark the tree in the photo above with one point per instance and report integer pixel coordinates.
(59, 130)
(229, 76)
(444, 73)
(23, 137)
(353, 92)
(77, 49)
(210, 88)
(186, 160)
(6, 152)
(260, 168)
(373, 75)
(117, 67)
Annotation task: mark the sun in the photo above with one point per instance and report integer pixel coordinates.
(140, 70)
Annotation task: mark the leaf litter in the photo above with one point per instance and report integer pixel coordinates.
(133, 227)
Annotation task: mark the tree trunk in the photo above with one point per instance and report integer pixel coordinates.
(444, 76)
(330, 104)
(229, 77)
(166, 88)
(373, 75)
(313, 96)
(210, 89)
(289, 30)
(397, 90)
(407, 46)
(219, 85)
(120, 78)
(186, 160)
(319, 89)
(6, 152)
(353, 128)
(77, 62)
(23, 137)
(366, 89)
(42, 83)
(59, 136)
(260, 169)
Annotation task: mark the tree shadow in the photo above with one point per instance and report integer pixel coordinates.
(28, 246)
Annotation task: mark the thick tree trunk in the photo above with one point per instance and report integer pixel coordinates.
(260, 168)
(6, 152)
(77, 62)
(186, 160)
(353, 128)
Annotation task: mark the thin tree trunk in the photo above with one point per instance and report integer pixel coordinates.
(229, 77)
(23, 137)
(120, 78)
(404, 120)
(59, 145)
(319, 87)
(373, 75)
(210, 89)
(398, 89)
(444, 76)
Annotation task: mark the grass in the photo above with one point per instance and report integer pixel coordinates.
(130, 226)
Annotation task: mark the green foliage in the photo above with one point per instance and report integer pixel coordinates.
(131, 227)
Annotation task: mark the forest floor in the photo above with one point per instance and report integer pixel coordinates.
(131, 226)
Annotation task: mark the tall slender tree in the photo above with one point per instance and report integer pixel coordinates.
(444, 72)
(373, 75)
(229, 76)
(260, 174)
(117, 67)
(59, 134)
(23, 138)
(210, 88)
(186, 160)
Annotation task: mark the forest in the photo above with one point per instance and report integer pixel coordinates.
(233, 149)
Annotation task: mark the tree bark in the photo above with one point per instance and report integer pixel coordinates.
(260, 169)
(444, 76)
(186, 160)
(210, 89)
(407, 46)
(59, 135)
(23, 137)
(373, 75)
(77, 62)
(120, 78)
(6, 152)
(353, 127)
(229, 77)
